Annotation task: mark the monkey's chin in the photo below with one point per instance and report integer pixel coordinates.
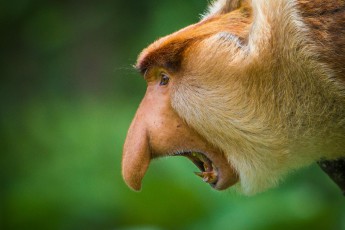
(215, 169)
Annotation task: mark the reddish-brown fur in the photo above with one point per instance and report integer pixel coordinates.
(326, 20)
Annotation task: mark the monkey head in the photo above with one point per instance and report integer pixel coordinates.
(240, 94)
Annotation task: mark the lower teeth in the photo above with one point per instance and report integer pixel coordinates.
(208, 177)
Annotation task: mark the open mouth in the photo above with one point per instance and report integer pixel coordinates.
(208, 170)
(214, 169)
(213, 163)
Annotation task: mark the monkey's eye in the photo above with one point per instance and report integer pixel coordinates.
(164, 79)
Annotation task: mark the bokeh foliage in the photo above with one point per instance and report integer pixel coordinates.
(68, 94)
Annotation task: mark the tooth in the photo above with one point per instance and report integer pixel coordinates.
(200, 174)
(208, 177)
(206, 167)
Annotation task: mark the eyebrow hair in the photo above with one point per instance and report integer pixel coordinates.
(169, 56)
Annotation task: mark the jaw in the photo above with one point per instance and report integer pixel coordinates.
(214, 169)
(157, 131)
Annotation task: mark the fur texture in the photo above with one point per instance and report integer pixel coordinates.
(261, 80)
(272, 106)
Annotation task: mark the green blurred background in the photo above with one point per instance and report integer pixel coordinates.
(68, 94)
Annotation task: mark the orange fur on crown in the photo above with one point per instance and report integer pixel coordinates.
(168, 52)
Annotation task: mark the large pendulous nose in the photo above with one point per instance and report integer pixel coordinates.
(136, 154)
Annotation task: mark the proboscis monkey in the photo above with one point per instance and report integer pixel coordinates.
(254, 90)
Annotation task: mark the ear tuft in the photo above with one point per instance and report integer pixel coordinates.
(218, 7)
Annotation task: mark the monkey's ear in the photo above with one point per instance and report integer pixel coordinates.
(218, 7)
